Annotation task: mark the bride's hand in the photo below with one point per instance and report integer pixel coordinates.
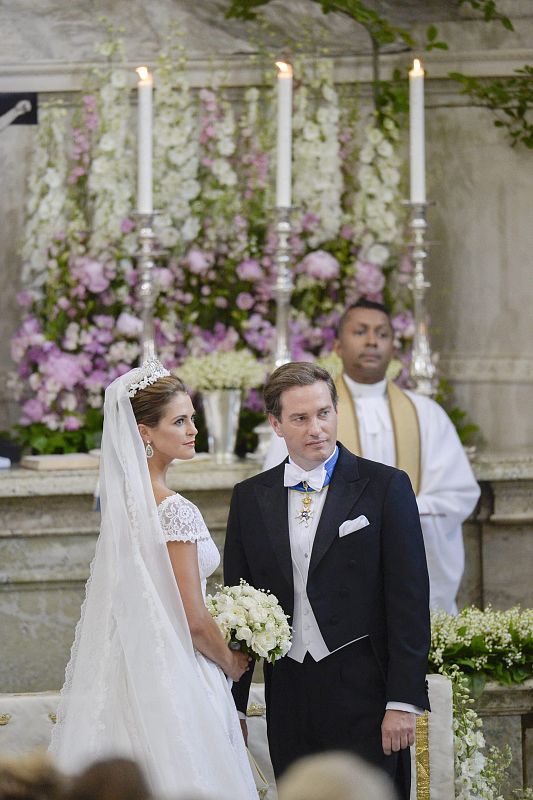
(239, 663)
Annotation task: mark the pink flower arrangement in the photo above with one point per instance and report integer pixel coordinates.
(370, 280)
(214, 293)
(320, 265)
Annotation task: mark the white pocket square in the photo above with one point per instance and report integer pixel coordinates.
(352, 525)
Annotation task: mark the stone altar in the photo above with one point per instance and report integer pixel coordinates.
(49, 526)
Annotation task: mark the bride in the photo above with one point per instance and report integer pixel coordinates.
(147, 673)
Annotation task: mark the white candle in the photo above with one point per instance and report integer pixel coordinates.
(416, 133)
(144, 141)
(284, 143)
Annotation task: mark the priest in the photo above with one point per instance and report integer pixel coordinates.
(380, 421)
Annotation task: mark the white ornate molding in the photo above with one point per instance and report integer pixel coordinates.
(48, 76)
(486, 369)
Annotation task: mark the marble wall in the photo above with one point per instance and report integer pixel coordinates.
(481, 259)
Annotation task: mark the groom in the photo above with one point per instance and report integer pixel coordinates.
(337, 539)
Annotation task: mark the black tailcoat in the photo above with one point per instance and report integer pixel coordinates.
(372, 582)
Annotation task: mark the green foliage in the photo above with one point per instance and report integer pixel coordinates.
(484, 645)
(379, 28)
(511, 99)
(490, 12)
(432, 42)
(467, 431)
(38, 438)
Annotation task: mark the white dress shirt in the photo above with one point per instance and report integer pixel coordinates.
(307, 637)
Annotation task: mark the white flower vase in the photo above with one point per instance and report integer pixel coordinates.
(221, 408)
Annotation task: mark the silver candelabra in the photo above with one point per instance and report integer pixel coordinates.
(423, 370)
(284, 285)
(146, 290)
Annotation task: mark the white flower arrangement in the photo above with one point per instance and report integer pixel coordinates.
(318, 182)
(237, 369)
(485, 644)
(46, 204)
(176, 159)
(378, 199)
(253, 619)
(111, 175)
(468, 648)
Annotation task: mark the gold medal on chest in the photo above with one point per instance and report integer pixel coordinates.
(305, 514)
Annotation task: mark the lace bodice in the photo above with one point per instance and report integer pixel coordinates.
(181, 521)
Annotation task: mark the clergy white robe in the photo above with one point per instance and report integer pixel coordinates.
(448, 489)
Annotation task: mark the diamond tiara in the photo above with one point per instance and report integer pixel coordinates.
(145, 375)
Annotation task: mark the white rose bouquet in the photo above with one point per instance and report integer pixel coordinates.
(252, 619)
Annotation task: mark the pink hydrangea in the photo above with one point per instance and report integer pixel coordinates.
(245, 301)
(33, 410)
(369, 278)
(403, 324)
(91, 274)
(26, 298)
(127, 225)
(72, 423)
(197, 261)
(129, 325)
(320, 265)
(249, 270)
(63, 368)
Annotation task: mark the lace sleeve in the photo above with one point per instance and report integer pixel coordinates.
(181, 521)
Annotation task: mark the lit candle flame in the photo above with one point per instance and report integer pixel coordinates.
(142, 72)
(417, 68)
(284, 70)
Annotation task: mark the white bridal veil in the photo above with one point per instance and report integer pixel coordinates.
(133, 686)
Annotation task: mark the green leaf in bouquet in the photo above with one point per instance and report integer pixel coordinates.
(477, 683)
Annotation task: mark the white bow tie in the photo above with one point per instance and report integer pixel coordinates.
(294, 475)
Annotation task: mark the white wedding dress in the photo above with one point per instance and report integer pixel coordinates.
(181, 521)
(135, 686)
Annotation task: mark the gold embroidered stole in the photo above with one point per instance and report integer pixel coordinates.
(404, 424)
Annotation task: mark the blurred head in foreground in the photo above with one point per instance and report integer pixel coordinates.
(29, 777)
(334, 776)
(112, 779)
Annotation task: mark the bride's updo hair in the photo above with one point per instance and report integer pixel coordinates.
(149, 403)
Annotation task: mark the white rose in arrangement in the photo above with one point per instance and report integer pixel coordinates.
(251, 618)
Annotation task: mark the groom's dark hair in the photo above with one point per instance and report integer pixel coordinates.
(297, 373)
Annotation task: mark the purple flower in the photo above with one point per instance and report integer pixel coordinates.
(197, 261)
(309, 222)
(320, 265)
(91, 274)
(403, 324)
(96, 380)
(33, 410)
(254, 401)
(127, 225)
(25, 299)
(249, 270)
(369, 278)
(72, 423)
(347, 232)
(244, 301)
(164, 277)
(103, 321)
(128, 325)
(64, 369)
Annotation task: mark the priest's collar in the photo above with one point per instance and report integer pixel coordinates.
(378, 389)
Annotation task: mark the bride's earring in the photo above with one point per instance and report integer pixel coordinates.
(149, 450)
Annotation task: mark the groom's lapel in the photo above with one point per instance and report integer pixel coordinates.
(272, 498)
(343, 493)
